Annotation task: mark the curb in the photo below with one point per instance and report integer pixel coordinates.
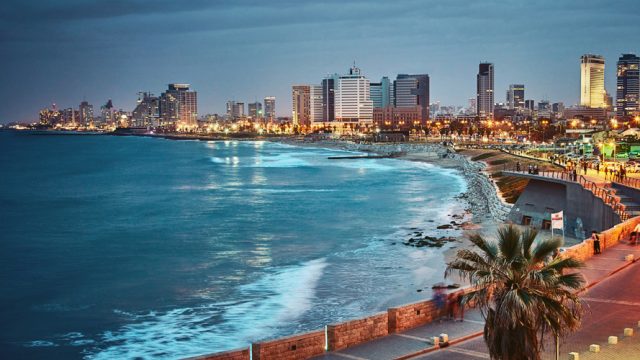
(438, 347)
(613, 272)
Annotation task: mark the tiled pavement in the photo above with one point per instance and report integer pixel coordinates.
(612, 303)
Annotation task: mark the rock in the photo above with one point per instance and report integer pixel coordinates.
(445, 226)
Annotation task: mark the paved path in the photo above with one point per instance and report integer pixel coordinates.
(612, 303)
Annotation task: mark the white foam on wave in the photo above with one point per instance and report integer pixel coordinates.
(272, 300)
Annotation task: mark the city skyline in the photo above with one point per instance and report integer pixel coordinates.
(50, 60)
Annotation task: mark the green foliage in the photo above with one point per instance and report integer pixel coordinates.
(523, 291)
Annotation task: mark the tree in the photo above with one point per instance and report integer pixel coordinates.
(522, 289)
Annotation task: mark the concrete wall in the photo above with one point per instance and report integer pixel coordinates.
(343, 335)
(302, 346)
(542, 197)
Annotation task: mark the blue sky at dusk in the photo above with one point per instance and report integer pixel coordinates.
(66, 51)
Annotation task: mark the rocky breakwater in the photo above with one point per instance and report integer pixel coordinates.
(482, 194)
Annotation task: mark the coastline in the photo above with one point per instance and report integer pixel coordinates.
(482, 197)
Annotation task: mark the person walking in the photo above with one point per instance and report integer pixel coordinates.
(584, 167)
(634, 235)
(460, 303)
(596, 242)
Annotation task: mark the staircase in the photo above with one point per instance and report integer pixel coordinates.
(613, 196)
(629, 205)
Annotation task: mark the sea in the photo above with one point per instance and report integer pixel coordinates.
(132, 247)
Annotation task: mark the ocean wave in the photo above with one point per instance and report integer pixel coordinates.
(272, 300)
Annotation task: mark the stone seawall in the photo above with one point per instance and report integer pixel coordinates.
(337, 336)
(608, 238)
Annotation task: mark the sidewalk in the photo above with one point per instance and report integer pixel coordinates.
(416, 343)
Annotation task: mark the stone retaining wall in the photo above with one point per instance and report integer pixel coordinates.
(240, 354)
(608, 238)
(343, 335)
(302, 346)
(406, 317)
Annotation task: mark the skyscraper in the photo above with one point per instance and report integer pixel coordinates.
(179, 106)
(300, 96)
(270, 108)
(381, 93)
(485, 90)
(235, 110)
(146, 112)
(329, 97)
(353, 98)
(515, 96)
(592, 92)
(255, 110)
(628, 86)
(412, 91)
(86, 113)
(315, 104)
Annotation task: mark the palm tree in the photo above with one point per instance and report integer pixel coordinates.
(522, 291)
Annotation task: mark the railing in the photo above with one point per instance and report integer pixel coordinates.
(603, 193)
(631, 182)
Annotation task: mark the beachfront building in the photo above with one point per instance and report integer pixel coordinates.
(179, 107)
(235, 110)
(147, 111)
(300, 96)
(86, 113)
(515, 96)
(592, 93)
(381, 93)
(353, 103)
(412, 92)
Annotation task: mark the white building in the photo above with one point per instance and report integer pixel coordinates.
(592, 93)
(353, 99)
(315, 104)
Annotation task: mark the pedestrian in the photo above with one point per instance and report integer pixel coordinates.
(460, 301)
(584, 167)
(452, 306)
(439, 298)
(606, 172)
(518, 166)
(598, 168)
(596, 242)
(634, 234)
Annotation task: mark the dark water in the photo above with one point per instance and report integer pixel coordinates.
(123, 247)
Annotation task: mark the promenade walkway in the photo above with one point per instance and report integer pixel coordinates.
(612, 303)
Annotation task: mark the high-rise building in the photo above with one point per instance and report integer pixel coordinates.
(353, 98)
(255, 110)
(108, 112)
(515, 96)
(270, 108)
(592, 93)
(235, 110)
(558, 109)
(544, 109)
(300, 95)
(147, 110)
(329, 97)
(179, 106)
(628, 86)
(485, 90)
(315, 104)
(381, 93)
(530, 105)
(86, 113)
(412, 91)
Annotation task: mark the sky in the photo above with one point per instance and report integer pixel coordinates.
(66, 51)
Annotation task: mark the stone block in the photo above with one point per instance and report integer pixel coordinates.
(629, 257)
(435, 340)
(628, 332)
(613, 340)
(574, 356)
(594, 348)
(444, 338)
